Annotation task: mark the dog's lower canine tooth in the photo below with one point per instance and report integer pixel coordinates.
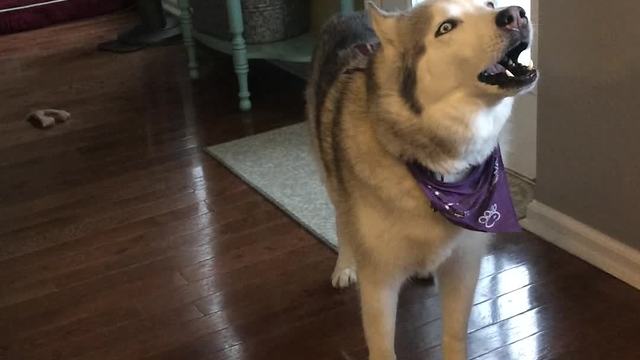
(509, 73)
(529, 64)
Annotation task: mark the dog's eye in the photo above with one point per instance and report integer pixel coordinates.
(491, 4)
(446, 27)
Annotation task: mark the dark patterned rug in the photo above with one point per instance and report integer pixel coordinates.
(23, 15)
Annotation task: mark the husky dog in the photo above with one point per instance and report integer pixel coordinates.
(431, 86)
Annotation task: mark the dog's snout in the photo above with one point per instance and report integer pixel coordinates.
(512, 18)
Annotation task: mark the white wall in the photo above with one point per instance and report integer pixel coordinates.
(522, 149)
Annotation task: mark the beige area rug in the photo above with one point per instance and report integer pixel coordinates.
(279, 165)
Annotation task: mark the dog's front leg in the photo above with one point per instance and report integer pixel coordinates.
(379, 296)
(457, 278)
(344, 273)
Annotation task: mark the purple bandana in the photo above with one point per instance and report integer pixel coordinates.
(481, 201)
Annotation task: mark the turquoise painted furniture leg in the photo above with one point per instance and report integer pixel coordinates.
(346, 6)
(187, 37)
(240, 62)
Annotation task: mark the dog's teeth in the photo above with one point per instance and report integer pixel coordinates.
(509, 73)
(529, 64)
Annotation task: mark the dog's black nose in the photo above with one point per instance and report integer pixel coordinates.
(513, 18)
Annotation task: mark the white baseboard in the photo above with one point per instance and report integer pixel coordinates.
(585, 242)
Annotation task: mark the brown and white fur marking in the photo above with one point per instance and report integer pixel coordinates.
(417, 99)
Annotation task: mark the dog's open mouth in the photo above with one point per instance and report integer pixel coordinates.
(508, 73)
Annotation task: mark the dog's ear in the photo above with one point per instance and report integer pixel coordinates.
(384, 24)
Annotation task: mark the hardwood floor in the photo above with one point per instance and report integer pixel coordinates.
(120, 239)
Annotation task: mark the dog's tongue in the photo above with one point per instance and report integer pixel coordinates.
(496, 69)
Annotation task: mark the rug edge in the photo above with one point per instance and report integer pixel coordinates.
(303, 224)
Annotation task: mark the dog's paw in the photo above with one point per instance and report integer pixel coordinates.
(343, 277)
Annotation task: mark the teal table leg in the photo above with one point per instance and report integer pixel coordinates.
(240, 62)
(187, 37)
(346, 6)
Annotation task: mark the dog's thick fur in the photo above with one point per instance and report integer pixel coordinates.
(417, 99)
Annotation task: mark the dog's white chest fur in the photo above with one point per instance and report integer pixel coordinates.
(487, 125)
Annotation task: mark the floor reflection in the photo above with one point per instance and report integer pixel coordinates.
(505, 311)
(526, 349)
(219, 309)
